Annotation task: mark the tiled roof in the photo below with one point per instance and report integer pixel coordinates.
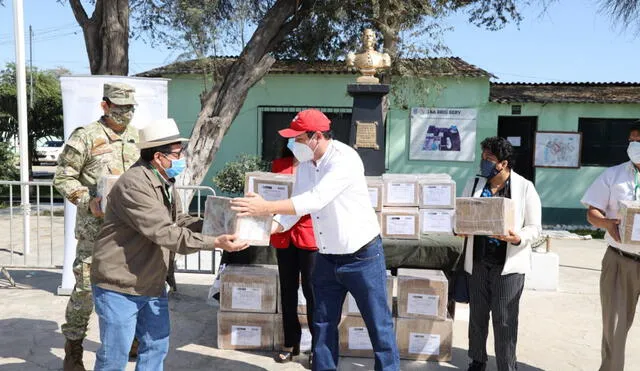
(565, 92)
(449, 66)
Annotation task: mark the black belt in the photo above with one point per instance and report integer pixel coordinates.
(634, 257)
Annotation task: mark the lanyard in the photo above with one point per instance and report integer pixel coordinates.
(636, 183)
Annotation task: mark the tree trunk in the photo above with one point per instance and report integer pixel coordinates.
(222, 104)
(106, 35)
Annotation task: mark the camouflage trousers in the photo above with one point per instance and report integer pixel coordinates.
(80, 303)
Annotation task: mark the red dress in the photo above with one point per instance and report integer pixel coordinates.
(301, 234)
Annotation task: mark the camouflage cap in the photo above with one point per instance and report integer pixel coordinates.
(119, 93)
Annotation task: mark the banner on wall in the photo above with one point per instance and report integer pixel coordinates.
(443, 134)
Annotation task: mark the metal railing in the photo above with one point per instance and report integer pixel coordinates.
(203, 261)
(48, 237)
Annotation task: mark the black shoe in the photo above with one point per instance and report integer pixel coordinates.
(477, 366)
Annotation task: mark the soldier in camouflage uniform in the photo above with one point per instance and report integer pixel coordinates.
(104, 147)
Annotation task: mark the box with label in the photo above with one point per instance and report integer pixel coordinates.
(249, 288)
(220, 219)
(305, 340)
(245, 330)
(350, 307)
(401, 223)
(376, 191)
(422, 293)
(629, 214)
(354, 338)
(437, 221)
(400, 190)
(437, 191)
(103, 188)
(424, 339)
(271, 186)
(484, 216)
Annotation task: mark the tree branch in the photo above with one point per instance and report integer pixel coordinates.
(78, 12)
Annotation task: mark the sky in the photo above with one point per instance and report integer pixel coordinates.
(572, 41)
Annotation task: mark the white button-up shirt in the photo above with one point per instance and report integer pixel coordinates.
(334, 191)
(614, 184)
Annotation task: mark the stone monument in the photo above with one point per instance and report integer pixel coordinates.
(368, 134)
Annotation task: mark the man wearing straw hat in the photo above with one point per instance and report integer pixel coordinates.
(144, 222)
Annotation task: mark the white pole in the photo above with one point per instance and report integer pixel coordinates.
(21, 81)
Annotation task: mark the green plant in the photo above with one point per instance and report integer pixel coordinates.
(230, 179)
(597, 234)
(8, 170)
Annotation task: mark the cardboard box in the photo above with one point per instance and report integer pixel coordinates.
(376, 191)
(103, 188)
(401, 223)
(350, 307)
(422, 293)
(354, 338)
(484, 215)
(271, 186)
(424, 339)
(437, 221)
(437, 191)
(220, 219)
(400, 190)
(305, 339)
(629, 214)
(245, 330)
(249, 288)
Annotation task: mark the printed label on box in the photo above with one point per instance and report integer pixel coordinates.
(359, 338)
(423, 304)
(420, 343)
(401, 225)
(352, 306)
(305, 340)
(401, 193)
(246, 298)
(635, 232)
(373, 195)
(250, 229)
(246, 335)
(437, 221)
(436, 195)
(273, 192)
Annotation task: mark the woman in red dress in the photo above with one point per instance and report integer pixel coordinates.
(296, 253)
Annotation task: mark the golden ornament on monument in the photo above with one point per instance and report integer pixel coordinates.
(368, 61)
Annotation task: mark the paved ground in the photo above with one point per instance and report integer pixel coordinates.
(558, 330)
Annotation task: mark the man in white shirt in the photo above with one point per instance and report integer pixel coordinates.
(619, 282)
(330, 185)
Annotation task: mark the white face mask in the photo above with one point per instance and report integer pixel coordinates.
(634, 152)
(301, 151)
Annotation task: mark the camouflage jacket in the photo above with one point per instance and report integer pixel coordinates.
(89, 153)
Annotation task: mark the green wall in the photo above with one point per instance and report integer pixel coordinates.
(560, 189)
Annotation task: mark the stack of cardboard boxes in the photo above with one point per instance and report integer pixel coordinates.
(423, 329)
(413, 205)
(248, 296)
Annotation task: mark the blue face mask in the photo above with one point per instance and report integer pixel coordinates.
(177, 167)
(488, 169)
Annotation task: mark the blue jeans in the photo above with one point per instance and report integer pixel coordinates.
(363, 274)
(121, 317)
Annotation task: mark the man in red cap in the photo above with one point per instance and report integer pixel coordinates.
(330, 185)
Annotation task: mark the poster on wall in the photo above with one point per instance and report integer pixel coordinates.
(558, 149)
(443, 134)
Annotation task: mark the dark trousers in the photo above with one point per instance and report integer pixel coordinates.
(363, 274)
(490, 291)
(295, 267)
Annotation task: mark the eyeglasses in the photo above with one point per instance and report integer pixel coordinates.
(177, 154)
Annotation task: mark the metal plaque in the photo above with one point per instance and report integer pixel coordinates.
(366, 135)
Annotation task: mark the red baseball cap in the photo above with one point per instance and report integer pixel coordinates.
(307, 120)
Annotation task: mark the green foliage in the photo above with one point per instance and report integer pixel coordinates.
(231, 178)
(44, 118)
(597, 234)
(8, 170)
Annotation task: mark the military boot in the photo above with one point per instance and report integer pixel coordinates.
(73, 356)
